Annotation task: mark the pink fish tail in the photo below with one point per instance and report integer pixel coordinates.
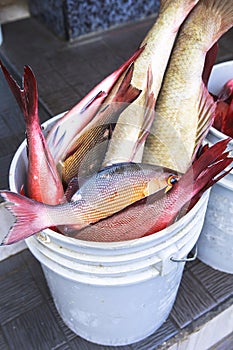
(30, 217)
(30, 96)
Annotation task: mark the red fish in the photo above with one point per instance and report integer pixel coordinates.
(105, 193)
(43, 181)
(157, 211)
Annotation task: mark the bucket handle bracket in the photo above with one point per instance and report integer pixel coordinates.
(188, 259)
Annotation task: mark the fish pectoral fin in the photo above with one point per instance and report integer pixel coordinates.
(206, 110)
(145, 130)
(72, 188)
(126, 92)
(152, 187)
(149, 115)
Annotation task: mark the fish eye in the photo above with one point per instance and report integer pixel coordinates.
(172, 180)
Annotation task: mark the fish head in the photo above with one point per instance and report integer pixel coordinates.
(163, 180)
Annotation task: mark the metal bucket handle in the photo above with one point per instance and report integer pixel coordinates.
(191, 258)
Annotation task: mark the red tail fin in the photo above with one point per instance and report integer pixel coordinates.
(29, 216)
(27, 97)
(210, 156)
(210, 164)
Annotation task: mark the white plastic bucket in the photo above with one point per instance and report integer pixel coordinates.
(113, 293)
(215, 245)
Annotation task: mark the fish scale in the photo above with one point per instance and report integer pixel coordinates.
(158, 45)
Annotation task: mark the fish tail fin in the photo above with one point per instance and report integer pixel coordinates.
(186, 4)
(209, 156)
(224, 10)
(30, 94)
(29, 216)
(27, 98)
(205, 170)
(214, 171)
(219, 13)
(212, 174)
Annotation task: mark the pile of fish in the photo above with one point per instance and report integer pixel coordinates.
(223, 120)
(127, 160)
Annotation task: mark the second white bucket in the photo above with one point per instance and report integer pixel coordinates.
(215, 245)
(113, 293)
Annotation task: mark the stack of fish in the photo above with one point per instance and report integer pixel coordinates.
(125, 162)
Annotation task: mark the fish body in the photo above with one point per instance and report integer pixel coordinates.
(158, 45)
(184, 109)
(43, 180)
(88, 147)
(105, 193)
(159, 210)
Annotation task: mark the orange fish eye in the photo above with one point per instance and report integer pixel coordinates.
(172, 180)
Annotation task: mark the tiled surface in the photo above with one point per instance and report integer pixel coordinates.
(71, 19)
(65, 72)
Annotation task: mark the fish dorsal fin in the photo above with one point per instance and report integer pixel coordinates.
(206, 110)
